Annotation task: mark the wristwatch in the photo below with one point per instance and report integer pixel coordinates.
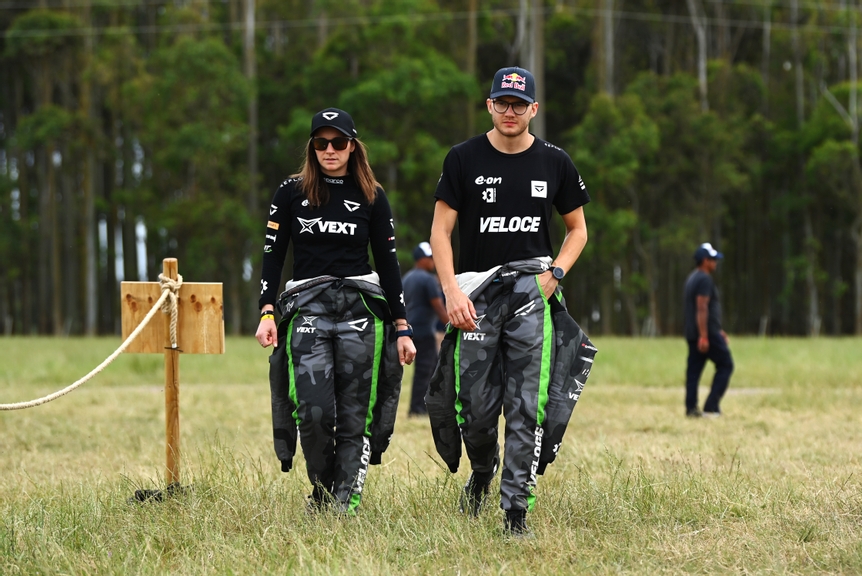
(558, 272)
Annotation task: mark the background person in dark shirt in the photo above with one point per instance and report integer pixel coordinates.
(332, 211)
(425, 309)
(706, 339)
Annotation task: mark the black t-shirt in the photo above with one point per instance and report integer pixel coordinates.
(331, 239)
(699, 283)
(504, 200)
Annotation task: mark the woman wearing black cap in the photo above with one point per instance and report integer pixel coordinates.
(335, 372)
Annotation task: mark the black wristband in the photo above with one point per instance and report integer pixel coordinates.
(265, 312)
(405, 332)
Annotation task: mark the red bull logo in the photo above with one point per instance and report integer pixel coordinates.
(514, 80)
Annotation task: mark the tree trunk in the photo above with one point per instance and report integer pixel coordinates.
(813, 315)
(246, 307)
(26, 315)
(810, 279)
(698, 21)
(608, 46)
(767, 45)
(472, 47)
(88, 184)
(852, 54)
(536, 65)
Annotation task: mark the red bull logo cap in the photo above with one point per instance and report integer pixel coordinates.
(338, 119)
(514, 81)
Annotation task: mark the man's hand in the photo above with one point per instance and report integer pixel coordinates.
(726, 339)
(462, 314)
(703, 344)
(548, 282)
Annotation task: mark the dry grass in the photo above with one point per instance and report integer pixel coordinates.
(773, 486)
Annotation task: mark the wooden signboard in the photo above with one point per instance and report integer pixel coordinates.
(200, 324)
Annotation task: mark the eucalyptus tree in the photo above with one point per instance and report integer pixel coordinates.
(44, 44)
(189, 110)
(610, 148)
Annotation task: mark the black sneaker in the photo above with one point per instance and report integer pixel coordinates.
(473, 496)
(515, 524)
(318, 501)
(694, 413)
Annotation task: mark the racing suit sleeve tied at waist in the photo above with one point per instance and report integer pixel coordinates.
(290, 303)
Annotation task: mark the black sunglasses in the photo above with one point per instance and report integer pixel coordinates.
(338, 143)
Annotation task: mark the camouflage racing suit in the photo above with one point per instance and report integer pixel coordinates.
(336, 379)
(527, 357)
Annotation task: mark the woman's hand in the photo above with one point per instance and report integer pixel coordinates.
(267, 332)
(406, 350)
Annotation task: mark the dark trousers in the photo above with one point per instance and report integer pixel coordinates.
(423, 367)
(719, 354)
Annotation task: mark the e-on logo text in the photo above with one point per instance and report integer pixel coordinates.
(332, 227)
(513, 224)
(489, 180)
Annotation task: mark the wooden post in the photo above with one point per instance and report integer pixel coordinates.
(199, 330)
(172, 392)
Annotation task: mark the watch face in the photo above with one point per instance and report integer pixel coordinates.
(558, 273)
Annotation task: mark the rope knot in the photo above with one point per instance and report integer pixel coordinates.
(170, 304)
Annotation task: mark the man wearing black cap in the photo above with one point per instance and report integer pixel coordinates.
(501, 188)
(706, 339)
(425, 307)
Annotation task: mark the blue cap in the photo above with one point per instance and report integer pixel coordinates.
(514, 81)
(423, 250)
(706, 250)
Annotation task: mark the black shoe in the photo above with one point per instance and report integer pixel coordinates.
(473, 496)
(319, 499)
(711, 414)
(515, 524)
(694, 413)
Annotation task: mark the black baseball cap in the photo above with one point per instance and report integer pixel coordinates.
(706, 250)
(514, 81)
(338, 119)
(422, 250)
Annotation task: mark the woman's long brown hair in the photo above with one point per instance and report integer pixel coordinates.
(313, 186)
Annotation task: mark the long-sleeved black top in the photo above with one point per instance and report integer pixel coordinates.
(331, 239)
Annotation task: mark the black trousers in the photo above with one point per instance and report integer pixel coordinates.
(719, 354)
(423, 367)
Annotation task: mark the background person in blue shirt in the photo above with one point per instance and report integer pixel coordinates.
(706, 339)
(425, 308)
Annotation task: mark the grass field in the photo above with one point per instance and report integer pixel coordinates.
(772, 487)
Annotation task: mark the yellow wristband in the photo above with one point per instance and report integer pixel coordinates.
(267, 317)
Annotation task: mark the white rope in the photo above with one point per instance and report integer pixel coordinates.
(169, 306)
(169, 292)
